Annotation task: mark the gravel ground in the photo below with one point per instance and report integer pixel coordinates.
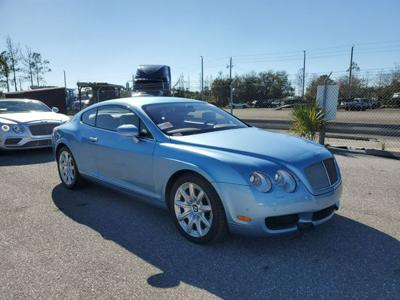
(98, 243)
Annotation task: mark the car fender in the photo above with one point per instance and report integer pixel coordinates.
(171, 158)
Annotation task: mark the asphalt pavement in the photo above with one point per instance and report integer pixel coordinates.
(98, 243)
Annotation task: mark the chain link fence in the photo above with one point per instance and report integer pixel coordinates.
(368, 113)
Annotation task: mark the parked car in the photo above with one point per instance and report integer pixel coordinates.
(238, 105)
(262, 103)
(211, 171)
(357, 104)
(26, 124)
(277, 103)
(342, 103)
(372, 104)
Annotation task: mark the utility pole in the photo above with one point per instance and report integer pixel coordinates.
(304, 72)
(202, 76)
(65, 80)
(350, 70)
(230, 85)
(230, 69)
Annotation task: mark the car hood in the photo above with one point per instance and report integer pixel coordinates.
(255, 142)
(33, 116)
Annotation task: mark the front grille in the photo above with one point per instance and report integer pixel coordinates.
(12, 141)
(38, 143)
(322, 174)
(42, 129)
(331, 170)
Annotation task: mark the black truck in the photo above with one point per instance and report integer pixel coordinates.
(152, 80)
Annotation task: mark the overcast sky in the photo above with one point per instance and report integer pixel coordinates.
(106, 40)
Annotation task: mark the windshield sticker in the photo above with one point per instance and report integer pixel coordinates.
(164, 125)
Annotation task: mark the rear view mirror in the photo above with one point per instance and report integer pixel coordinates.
(55, 109)
(128, 130)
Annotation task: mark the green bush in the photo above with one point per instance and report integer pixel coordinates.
(307, 120)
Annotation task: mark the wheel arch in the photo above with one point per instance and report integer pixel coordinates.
(173, 178)
(177, 174)
(58, 147)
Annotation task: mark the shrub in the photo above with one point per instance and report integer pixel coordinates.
(307, 120)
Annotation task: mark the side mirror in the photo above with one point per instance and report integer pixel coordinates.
(129, 130)
(55, 109)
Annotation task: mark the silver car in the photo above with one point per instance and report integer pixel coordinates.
(27, 124)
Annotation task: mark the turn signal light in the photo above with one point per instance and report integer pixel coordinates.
(244, 218)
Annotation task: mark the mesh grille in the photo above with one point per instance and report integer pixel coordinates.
(42, 129)
(322, 174)
(331, 170)
(12, 141)
(38, 143)
(316, 175)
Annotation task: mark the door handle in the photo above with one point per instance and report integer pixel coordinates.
(93, 139)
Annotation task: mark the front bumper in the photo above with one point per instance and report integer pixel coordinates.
(21, 141)
(276, 212)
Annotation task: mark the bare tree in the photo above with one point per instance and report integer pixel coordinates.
(28, 63)
(40, 67)
(13, 52)
(4, 69)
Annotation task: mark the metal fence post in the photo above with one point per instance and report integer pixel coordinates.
(323, 129)
(231, 96)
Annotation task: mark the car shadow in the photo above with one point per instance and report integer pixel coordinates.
(342, 258)
(25, 157)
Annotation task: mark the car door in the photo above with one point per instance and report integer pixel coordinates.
(85, 146)
(122, 160)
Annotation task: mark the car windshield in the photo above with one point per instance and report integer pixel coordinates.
(21, 106)
(178, 119)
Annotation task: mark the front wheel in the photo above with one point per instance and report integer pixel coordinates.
(197, 210)
(67, 169)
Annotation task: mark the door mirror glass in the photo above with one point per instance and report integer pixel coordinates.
(128, 130)
(55, 109)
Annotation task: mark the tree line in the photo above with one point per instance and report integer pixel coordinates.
(382, 88)
(246, 88)
(274, 85)
(17, 66)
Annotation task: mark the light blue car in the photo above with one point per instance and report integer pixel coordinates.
(214, 173)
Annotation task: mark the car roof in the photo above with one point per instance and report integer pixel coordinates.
(141, 101)
(19, 99)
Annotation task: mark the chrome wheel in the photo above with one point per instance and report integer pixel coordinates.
(193, 209)
(67, 167)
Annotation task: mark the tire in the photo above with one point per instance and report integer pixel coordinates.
(197, 212)
(68, 169)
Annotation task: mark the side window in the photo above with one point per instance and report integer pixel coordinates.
(89, 117)
(111, 117)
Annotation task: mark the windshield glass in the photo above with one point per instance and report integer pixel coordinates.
(20, 106)
(190, 118)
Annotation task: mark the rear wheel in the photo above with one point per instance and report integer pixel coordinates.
(197, 210)
(67, 169)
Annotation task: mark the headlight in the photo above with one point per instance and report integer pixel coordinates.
(17, 129)
(5, 127)
(285, 180)
(261, 182)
